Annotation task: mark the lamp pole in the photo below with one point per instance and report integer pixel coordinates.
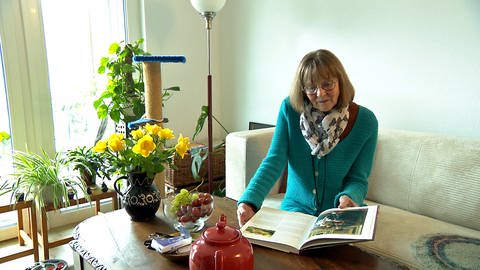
(208, 9)
(209, 18)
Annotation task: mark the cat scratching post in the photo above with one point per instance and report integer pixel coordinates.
(153, 95)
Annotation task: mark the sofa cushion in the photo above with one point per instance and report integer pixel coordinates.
(428, 174)
(398, 230)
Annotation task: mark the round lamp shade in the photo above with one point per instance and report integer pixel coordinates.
(207, 5)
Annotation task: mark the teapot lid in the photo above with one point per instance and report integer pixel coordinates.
(221, 233)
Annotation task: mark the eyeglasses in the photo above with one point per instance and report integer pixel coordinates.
(326, 85)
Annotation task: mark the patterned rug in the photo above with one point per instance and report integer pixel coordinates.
(448, 252)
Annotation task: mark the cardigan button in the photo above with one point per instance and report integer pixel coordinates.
(314, 191)
(316, 173)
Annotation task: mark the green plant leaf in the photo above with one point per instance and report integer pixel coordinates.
(101, 69)
(103, 61)
(200, 121)
(197, 159)
(114, 47)
(173, 88)
(115, 115)
(97, 103)
(102, 111)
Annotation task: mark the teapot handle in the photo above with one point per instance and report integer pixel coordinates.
(218, 260)
(116, 184)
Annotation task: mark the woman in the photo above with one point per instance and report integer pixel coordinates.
(328, 141)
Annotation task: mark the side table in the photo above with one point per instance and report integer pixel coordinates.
(44, 242)
(24, 237)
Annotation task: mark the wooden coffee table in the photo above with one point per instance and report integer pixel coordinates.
(113, 241)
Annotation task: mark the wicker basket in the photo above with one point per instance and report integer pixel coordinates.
(182, 176)
(216, 185)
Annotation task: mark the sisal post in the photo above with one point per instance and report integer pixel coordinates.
(153, 106)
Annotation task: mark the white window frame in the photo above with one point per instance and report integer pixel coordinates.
(26, 79)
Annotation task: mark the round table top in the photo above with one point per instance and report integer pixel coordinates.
(114, 241)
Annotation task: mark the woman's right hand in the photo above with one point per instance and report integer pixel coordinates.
(244, 213)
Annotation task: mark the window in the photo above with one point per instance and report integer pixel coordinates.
(73, 57)
(54, 85)
(6, 166)
(6, 219)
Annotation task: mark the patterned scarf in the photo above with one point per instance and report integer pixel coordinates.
(322, 130)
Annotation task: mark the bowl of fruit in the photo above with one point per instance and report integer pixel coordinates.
(189, 210)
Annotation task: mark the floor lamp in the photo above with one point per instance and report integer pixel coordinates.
(208, 9)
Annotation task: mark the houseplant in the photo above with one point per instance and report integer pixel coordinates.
(44, 179)
(124, 99)
(88, 164)
(138, 158)
(199, 154)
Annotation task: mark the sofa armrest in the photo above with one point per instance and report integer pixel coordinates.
(244, 152)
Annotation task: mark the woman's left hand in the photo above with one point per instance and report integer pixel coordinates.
(345, 202)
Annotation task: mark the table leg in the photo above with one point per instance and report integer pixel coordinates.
(33, 232)
(115, 202)
(97, 206)
(21, 242)
(44, 235)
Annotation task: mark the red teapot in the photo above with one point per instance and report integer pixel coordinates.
(221, 248)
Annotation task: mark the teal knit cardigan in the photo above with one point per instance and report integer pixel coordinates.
(314, 184)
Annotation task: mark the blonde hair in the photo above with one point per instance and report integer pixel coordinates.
(315, 66)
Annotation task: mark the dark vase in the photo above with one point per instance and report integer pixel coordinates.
(142, 199)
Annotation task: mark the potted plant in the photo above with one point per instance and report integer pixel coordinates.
(138, 158)
(199, 155)
(44, 179)
(88, 164)
(124, 99)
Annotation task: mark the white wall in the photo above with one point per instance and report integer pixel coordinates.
(174, 28)
(416, 64)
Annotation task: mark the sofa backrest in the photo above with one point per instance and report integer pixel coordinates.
(244, 152)
(428, 174)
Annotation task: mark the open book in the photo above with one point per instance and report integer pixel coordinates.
(294, 232)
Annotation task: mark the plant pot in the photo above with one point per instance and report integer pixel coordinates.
(88, 178)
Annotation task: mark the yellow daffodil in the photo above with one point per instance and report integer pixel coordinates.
(166, 133)
(143, 150)
(183, 145)
(144, 146)
(100, 146)
(116, 142)
(4, 136)
(137, 134)
(152, 129)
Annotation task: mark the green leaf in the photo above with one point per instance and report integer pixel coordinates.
(115, 115)
(106, 94)
(97, 103)
(173, 88)
(139, 110)
(200, 121)
(197, 160)
(103, 61)
(102, 111)
(114, 47)
(101, 69)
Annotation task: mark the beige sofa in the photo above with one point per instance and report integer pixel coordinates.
(425, 184)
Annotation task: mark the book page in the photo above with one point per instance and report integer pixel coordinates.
(343, 225)
(278, 229)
